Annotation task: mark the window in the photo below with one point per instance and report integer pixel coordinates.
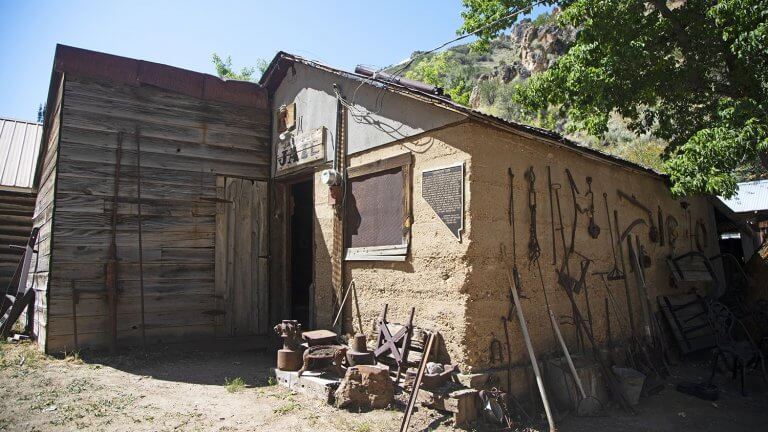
(378, 209)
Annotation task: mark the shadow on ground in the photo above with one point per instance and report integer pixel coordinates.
(189, 365)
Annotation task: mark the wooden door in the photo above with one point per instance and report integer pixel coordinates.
(242, 261)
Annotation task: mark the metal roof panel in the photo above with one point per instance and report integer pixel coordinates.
(19, 148)
(751, 196)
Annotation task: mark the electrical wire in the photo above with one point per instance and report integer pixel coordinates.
(405, 65)
(464, 36)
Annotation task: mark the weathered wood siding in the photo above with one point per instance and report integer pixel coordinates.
(185, 144)
(43, 218)
(16, 209)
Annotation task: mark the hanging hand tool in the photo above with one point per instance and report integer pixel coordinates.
(685, 205)
(592, 228)
(564, 272)
(551, 215)
(515, 271)
(630, 313)
(660, 221)
(494, 351)
(629, 229)
(534, 250)
(614, 273)
(653, 231)
(672, 235)
(582, 282)
(702, 242)
(576, 208)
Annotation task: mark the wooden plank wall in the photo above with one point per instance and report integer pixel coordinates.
(185, 144)
(43, 218)
(16, 210)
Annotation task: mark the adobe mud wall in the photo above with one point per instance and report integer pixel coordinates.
(431, 278)
(461, 289)
(487, 285)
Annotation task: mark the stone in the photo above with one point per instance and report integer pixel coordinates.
(365, 387)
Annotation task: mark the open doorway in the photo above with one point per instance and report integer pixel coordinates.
(302, 251)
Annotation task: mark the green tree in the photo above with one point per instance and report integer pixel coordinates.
(693, 73)
(441, 70)
(224, 69)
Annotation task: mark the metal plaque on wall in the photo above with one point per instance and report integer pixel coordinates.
(443, 190)
(298, 151)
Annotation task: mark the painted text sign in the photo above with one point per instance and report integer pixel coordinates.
(443, 190)
(299, 150)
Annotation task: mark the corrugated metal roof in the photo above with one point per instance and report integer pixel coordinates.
(751, 196)
(19, 147)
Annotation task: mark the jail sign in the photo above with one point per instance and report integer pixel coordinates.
(443, 190)
(296, 151)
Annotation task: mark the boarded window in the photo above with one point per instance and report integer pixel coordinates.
(377, 211)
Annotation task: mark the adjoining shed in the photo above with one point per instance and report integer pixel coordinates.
(19, 150)
(203, 144)
(252, 203)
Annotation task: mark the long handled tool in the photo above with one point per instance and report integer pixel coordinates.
(551, 215)
(564, 273)
(610, 379)
(417, 384)
(626, 283)
(514, 285)
(531, 354)
(587, 405)
(653, 230)
(614, 273)
(640, 281)
(352, 288)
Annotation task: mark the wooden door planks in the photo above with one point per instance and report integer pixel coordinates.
(242, 257)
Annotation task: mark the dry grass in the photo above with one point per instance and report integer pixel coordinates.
(234, 385)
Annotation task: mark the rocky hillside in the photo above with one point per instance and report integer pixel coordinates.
(486, 81)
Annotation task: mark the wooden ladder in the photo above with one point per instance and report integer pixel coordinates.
(17, 296)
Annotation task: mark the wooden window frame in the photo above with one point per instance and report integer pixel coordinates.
(390, 252)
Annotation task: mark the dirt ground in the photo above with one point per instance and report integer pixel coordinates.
(170, 389)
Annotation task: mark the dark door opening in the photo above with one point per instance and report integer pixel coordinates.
(302, 242)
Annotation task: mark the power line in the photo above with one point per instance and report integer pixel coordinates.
(410, 61)
(464, 36)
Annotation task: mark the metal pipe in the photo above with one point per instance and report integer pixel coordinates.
(532, 355)
(567, 356)
(405, 82)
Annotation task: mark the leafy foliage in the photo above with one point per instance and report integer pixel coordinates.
(224, 69)
(692, 73)
(435, 71)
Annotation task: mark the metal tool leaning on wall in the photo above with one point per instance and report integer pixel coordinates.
(513, 278)
(642, 354)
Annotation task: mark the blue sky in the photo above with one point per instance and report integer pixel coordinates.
(186, 33)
